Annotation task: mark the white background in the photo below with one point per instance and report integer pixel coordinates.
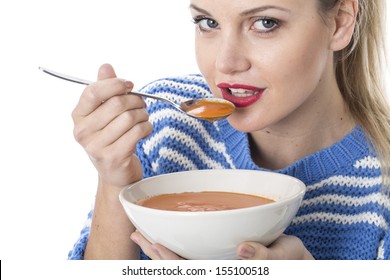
(47, 183)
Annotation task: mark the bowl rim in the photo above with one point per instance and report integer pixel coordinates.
(300, 193)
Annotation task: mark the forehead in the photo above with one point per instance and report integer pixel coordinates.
(239, 6)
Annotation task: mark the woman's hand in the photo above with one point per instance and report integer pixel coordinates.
(108, 123)
(153, 251)
(286, 247)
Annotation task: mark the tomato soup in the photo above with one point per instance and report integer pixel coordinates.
(203, 201)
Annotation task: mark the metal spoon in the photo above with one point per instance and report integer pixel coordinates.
(210, 109)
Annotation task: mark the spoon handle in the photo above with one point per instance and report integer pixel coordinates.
(65, 77)
(147, 95)
(86, 82)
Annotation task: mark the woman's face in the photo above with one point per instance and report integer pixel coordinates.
(271, 58)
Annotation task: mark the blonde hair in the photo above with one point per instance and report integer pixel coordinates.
(360, 72)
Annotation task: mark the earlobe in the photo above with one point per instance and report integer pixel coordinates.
(345, 21)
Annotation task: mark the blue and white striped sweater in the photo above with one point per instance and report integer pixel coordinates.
(344, 214)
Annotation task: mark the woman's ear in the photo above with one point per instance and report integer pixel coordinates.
(345, 21)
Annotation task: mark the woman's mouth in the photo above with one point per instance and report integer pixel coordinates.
(240, 95)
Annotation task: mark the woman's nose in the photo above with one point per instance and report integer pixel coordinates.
(232, 56)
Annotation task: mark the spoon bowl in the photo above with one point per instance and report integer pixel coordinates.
(209, 109)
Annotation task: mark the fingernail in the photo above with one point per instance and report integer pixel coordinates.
(247, 252)
(129, 84)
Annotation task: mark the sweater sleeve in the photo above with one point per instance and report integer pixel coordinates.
(384, 245)
(77, 252)
(384, 248)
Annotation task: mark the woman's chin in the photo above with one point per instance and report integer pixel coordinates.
(244, 122)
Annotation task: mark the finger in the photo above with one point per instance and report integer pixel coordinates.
(97, 93)
(121, 148)
(86, 127)
(107, 86)
(129, 122)
(252, 251)
(145, 245)
(164, 253)
(126, 145)
(291, 248)
(153, 251)
(114, 107)
(106, 71)
(286, 247)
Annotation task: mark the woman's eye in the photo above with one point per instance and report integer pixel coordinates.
(206, 24)
(265, 25)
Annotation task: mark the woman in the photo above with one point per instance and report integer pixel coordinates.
(306, 80)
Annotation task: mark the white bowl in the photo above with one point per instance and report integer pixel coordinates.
(215, 234)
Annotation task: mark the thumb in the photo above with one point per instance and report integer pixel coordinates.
(106, 71)
(286, 247)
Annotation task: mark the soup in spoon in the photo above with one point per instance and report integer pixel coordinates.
(210, 109)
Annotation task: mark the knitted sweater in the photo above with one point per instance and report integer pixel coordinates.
(344, 214)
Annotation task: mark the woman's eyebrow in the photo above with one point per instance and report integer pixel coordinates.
(200, 10)
(263, 8)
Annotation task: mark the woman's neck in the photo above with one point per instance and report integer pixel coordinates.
(280, 145)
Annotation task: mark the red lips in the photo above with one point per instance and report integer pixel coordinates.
(244, 95)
